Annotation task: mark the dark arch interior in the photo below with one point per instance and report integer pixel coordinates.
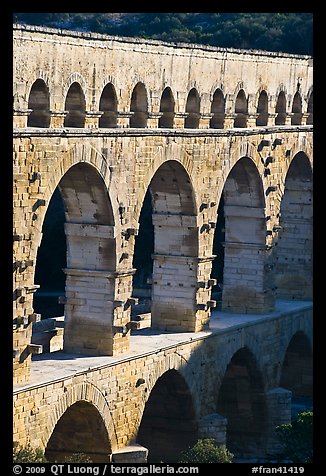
(193, 110)
(218, 251)
(139, 106)
(241, 109)
(280, 109)
(218, 110)
(39, 102)
(80, 430)
(296, 109)
(143, 261)
(108, 105)
(169, 423)
(262, 109)
(296, 372)
(75, 106)
(167, 109)
(51, 259)
(242, 402)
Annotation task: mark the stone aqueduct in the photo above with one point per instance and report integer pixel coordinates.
(105, 120)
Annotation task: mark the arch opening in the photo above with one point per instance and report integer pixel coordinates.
(143, 260)
(80, 429)
(108, 105)
(39, 103)
(51, 260)
(293, 268)
(297, 373)
(139, 106)
(167, 106)
(90, 259)
(170, 199)
(192, 110)
(296, 109)
(218, 110)
(75, 105)
(280, 109)
(241, 400)
(241, 109)
(262, 109)
(168, 425)
(239, 239)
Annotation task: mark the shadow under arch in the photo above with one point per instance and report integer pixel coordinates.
(169, 424)
(241, 400)
(80, 423)
(297, 371)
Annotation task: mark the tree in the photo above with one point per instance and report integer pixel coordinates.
(27, 454)
(296, 438)
(206, 451)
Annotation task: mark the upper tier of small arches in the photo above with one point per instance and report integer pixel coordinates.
(227, 110)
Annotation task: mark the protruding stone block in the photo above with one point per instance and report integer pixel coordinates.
(130, 454)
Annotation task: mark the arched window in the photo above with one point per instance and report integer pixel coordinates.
(296, 109)
(218, 110)
(280, 109)
(241, 110)
(139, 106)
(262, 109)
(108, 105)
(192, 108)
(75, 106)
(310, 118)
(39, 102)
(167, 108)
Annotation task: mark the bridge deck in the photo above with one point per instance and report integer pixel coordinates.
(56, 366)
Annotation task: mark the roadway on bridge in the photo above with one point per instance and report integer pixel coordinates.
(59, 365)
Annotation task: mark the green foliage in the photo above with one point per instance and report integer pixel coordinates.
(77, 458)
(27, 454)
(288, 32)
(206, 451)
(297, 438)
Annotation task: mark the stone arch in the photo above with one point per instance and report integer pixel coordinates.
(296, 109)
(293, 270)
(296, 369)
(74, 78)
(262, 109)
(139, 106)
(75, 105)
(175, 247)
(241, 109)
(241, 400)
(169, 423)
(85, 398)
(280, 108)
(167, 108)
(91, 260)
(192, 109)
(109, 106)
(218, 110)
(39, 103)
(242, 207)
